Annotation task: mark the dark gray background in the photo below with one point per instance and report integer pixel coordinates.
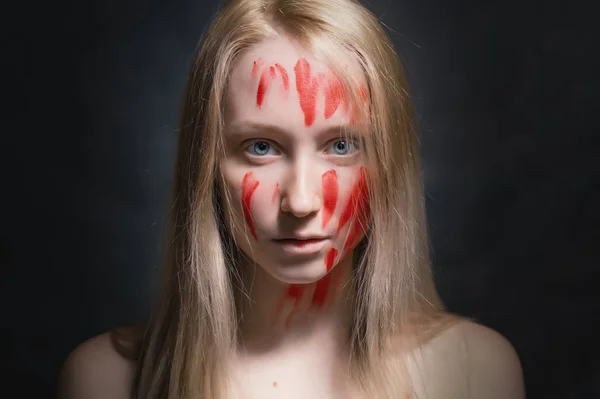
(509, 125)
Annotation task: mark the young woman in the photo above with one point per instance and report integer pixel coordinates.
(297, 263)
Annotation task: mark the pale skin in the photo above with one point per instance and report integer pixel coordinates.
(296, 180)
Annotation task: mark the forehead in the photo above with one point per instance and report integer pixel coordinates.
(276, 82)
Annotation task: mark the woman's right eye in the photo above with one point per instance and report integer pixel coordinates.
(261, 148)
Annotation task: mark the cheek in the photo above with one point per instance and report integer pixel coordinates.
(354, 213)
(258, 199)
(249, 186)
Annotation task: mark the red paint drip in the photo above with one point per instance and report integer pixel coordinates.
(307, 87)
(275, 194)
(324, 284)
(329, 185)
(249, 185)
(295, 292)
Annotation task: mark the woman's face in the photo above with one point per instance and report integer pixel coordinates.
(297, 183)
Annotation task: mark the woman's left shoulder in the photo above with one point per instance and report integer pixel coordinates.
(469, 360)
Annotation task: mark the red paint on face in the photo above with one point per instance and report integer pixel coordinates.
(263, 87)
(284, 76)
(362, 214)
(330, 258)
(257, 66)
(359, 227)
(324, 285)
(363, 93)
(334, 96)
(267, 78)
(329, 185)
(249, 185)
(275, 194)
(307, 86)
(356, 209)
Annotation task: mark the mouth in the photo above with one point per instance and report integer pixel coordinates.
(302, 245)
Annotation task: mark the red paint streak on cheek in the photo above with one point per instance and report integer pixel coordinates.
(284, 76)
(330, 258)
(275, 194)
(249, 185)
(324, 285)
(263, 86)
(362, 212)
(357, 200)
(329, 184)
(307, 87)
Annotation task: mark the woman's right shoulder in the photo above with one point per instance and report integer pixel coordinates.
(97, 369)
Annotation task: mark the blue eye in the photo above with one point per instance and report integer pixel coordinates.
(259, 148)
(343, 147)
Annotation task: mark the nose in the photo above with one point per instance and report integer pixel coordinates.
(301, 194)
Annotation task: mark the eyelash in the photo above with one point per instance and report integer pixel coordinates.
(354, 143)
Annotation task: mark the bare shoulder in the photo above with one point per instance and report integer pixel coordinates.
(469, 360)
(95, 370)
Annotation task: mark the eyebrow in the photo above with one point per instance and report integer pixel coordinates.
(239, 127)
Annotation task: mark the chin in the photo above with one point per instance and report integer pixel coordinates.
(305, 272)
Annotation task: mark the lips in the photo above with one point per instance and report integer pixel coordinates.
(302, 245)
(297, 241)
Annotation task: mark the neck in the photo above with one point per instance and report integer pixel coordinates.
(279, 316)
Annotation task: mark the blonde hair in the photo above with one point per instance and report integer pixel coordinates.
(194, 328)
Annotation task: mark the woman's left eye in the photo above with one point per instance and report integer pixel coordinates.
(343, 147)
(261, 148)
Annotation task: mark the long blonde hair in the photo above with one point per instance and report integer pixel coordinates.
(194, 327)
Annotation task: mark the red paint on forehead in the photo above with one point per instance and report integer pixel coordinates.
(249, 185)
(266, 80)
(263, 87)
(329, 183)
(363, 92)
(284, 76)
(307, 86)
(257, 66)
(334, 96)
